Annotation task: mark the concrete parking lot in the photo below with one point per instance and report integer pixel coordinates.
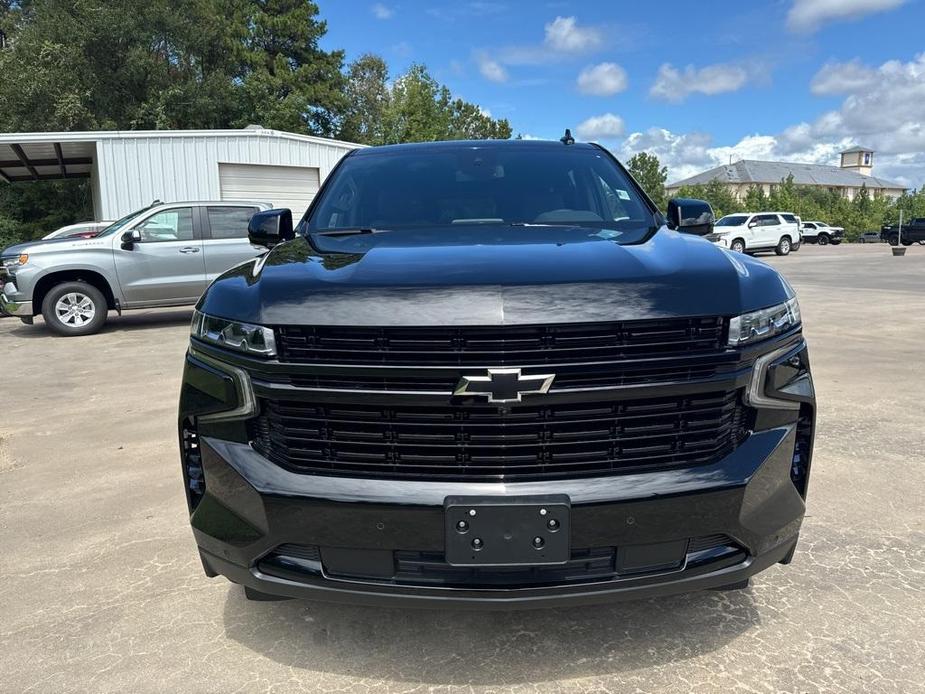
(103, 592)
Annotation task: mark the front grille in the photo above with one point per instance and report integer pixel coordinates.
(481, 442)
(502, 345)
(612, 375)
(422, 568)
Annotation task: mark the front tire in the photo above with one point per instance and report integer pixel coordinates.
(893, 240)
(783, 246)
(74, 308)
(738, 246)
(823, 240)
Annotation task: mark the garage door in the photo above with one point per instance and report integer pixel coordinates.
(282, 186)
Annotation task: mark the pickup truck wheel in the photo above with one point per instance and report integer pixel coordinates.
(823, 240)
(893, 241)
(74, 308)
(907, 243)
(738, 246)
(783, 246)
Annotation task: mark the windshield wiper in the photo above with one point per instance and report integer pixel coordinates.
(585, 224)
(351, 232)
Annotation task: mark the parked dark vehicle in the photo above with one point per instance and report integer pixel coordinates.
(913, 231)
(869, 237)
(493, 375)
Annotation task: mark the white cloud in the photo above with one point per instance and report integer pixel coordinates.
(563, 34)
(603, 127)
(381, 11)
(675, 86)
(806, 16)
(842, 78)
(490, 68)
(605, 79)
(881, 109)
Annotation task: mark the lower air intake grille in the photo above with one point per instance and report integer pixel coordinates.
(485, 443)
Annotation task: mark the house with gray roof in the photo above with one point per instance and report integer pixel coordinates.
(854, 172)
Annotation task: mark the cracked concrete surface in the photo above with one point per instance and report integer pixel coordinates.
(103, 592)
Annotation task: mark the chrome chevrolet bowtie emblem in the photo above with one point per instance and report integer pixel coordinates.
(504, 385)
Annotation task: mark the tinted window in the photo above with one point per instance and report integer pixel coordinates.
(429, 189)
(735, 220)
(170, 225)
(766, 220)
(789, 218)
(229, 222)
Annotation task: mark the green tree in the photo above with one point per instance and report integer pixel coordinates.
(649, 174)
(721, 199)
(420, 109)
(367, 100)
(288, 81)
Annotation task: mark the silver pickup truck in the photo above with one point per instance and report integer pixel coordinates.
(163, 255)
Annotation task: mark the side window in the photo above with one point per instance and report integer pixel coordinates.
(229, 222)
(170, 225)
(766, 220)
(809, 225)
(789, 218)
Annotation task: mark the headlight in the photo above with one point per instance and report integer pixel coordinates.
(241, 337)
(765, 323)
(15, 260)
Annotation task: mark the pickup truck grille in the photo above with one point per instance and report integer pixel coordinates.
(502, 345)
(485, 443)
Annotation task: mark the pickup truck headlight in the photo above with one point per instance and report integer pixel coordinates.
(12, 261)
(241, 337)
(764, 323)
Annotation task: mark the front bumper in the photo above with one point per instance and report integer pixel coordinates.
(383, 541)
(12, 307)
(12, 301)
(251, 507)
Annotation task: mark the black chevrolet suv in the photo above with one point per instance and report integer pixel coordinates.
(492, 374)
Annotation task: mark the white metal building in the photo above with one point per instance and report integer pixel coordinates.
(128, 169)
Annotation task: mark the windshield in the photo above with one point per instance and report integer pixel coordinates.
(733, 220)
(119, 223)
(470, 185)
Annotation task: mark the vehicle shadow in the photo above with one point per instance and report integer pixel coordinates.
(488, 648)
(128, 321)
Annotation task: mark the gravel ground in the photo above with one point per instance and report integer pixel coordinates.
(103, 592)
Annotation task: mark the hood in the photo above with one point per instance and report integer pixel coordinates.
(493, 276)
(52, 245)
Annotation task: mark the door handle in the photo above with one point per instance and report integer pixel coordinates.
(189, 249)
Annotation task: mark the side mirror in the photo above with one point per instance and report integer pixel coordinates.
(690, 216)
(752, 224)
(130, 238)
(270, 227)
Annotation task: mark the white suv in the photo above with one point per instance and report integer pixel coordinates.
(762, 231)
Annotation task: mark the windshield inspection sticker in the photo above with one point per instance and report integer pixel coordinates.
(607, 234)
(622, 194)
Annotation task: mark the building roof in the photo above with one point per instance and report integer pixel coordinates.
(49, 155)
(751, 171)
(857, 149)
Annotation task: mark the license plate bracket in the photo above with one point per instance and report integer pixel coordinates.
(507, 531)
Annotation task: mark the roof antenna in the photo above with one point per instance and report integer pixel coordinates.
(567, 139)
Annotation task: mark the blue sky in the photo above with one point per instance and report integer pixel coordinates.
(694, 82)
